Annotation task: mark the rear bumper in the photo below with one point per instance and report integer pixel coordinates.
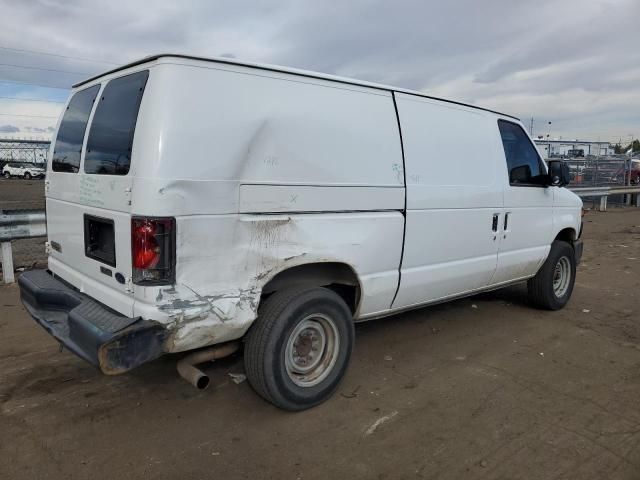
(112, 342)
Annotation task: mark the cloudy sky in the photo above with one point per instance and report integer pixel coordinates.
(575, 63)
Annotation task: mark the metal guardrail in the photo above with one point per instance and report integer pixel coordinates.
(16, 224)
(604, 192)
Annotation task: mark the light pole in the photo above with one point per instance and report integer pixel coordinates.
(628, 182)
(548, 140)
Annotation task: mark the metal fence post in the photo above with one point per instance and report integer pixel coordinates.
(7, 262)
(603, 203)
(14, 225)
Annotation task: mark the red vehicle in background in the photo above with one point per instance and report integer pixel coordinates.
(629, 176)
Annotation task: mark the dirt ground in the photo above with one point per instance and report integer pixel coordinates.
(481, 388)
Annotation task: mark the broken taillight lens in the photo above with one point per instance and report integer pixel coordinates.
(153, 250)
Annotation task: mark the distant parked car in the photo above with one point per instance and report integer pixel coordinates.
(631, 175)
(24, 170)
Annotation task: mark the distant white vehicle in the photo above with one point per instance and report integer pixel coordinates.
(195, 202)
(23, 170)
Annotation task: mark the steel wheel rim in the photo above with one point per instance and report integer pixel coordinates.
(312, 350)
(561, 277)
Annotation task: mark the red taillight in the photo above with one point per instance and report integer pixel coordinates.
(146, 251)
(153, 250)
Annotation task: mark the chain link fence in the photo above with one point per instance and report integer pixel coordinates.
(605, 171)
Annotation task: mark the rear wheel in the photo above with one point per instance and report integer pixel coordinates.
(27, 176)
(552, 286)
(7, 175)
(299, 348)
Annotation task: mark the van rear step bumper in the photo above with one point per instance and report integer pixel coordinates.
(112, 342)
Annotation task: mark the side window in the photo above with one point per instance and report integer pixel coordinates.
(523, 161)
(111, 135)
(66, 153)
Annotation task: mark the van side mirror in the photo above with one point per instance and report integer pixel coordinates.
(559, 175)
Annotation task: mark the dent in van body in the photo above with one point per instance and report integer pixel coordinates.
(220, 277)
(205, 319)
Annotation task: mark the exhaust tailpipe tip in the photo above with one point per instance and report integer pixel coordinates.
(195, 376)
(202, 382)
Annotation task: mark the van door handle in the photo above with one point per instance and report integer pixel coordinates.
(494, 223)
(505, 226)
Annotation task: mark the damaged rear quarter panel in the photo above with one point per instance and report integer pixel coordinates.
(223, 261)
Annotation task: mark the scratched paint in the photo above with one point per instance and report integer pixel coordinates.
(219, 278)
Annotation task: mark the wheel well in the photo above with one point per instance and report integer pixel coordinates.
(567, 235)
(339, 277)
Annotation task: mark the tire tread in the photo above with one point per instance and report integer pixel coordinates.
(539, 290)
(256, 340)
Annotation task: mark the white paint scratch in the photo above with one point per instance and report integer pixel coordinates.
(379, 422)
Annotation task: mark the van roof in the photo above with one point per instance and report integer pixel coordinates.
(292, 71)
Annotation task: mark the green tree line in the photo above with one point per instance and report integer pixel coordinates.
(618, 148)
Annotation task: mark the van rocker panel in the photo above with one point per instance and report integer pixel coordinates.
(112, 342)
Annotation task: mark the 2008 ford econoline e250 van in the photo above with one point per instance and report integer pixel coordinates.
(195, 202)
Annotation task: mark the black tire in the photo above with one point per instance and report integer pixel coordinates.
(27, 176)
(542, 292)
(266, 346)
(7, 175)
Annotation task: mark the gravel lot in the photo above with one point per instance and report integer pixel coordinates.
(484, 387)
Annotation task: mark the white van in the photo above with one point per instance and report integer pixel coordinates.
(193, 202)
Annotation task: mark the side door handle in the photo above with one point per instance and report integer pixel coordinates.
(505, 226)
(494, 223)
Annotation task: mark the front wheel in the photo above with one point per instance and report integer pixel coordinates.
(299, 348)
(7, 175)
(27, 176)
(552, 286)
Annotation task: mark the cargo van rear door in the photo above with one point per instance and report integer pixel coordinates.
(89, 190)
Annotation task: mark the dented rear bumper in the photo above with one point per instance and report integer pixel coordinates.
(112, 342)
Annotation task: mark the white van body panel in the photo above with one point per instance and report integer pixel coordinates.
(308, 198)
(220, 277)
(565, 204)
(268, 169)
(453, 191)
(525, 242)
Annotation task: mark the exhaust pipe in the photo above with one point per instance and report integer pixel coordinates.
(197, 377)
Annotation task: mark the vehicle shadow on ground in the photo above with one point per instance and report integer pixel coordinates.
(64, 374)
(162, 372)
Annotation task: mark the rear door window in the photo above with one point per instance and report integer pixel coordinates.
(111, 135)
(66, 153)
(523, 161)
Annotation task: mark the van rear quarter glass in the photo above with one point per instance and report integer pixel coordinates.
(66, 155)
(111, 136)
